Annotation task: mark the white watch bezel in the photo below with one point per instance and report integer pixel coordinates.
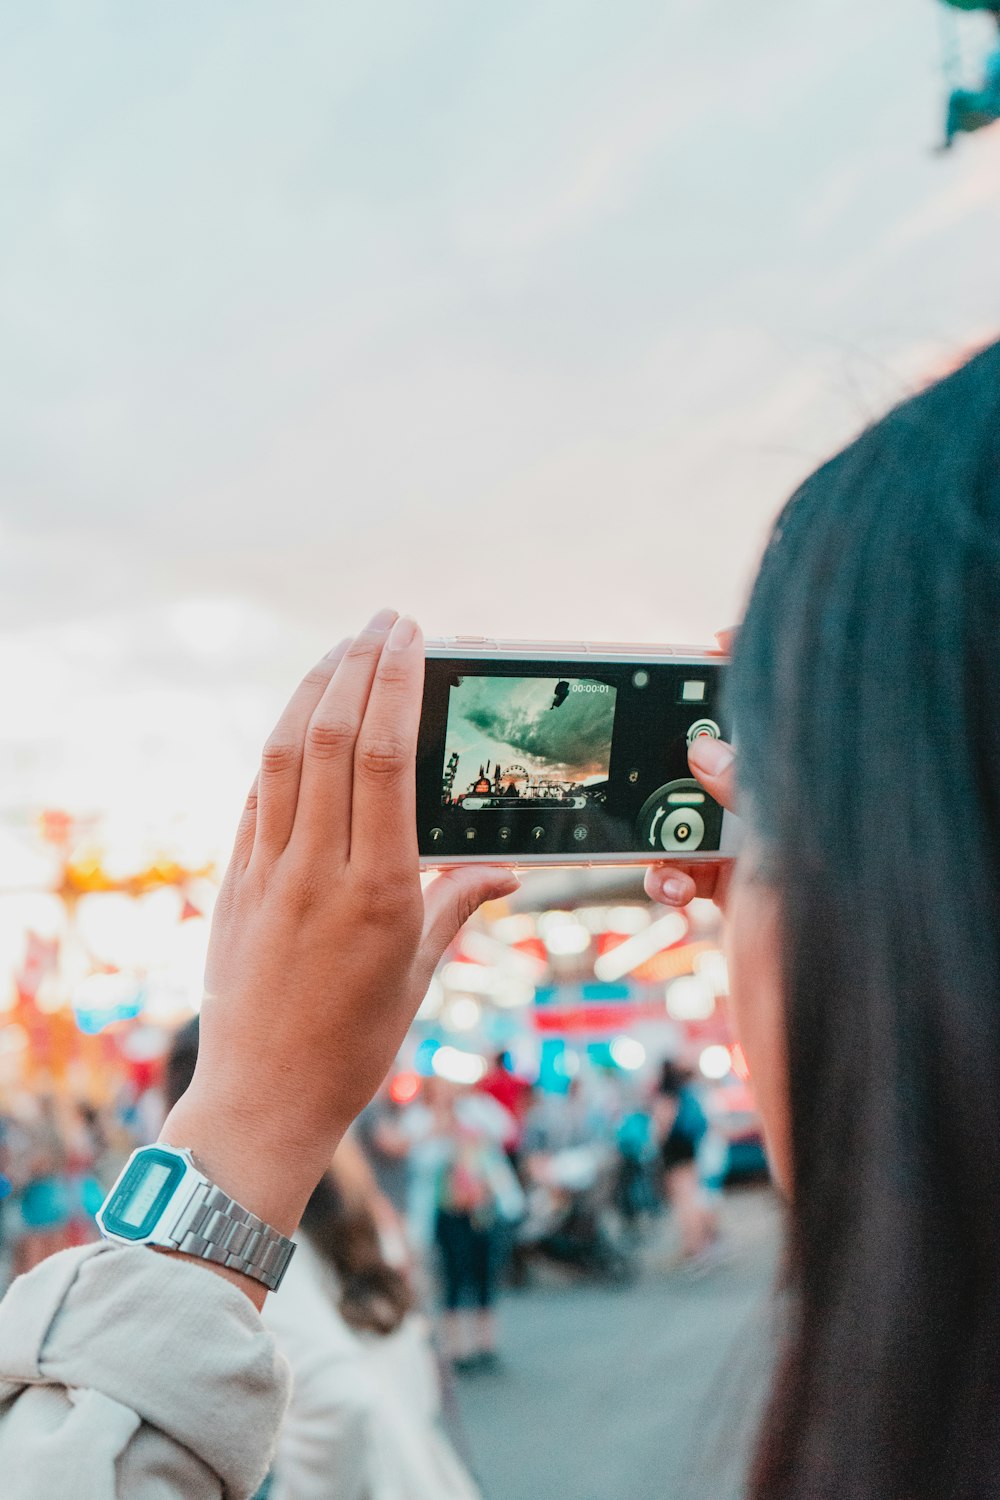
(196, 1217)
(187, 1185)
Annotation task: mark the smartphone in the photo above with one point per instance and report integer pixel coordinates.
(568, 753)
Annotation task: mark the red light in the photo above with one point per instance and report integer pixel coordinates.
(740, 1062)
(404, 1088)
(534, 947)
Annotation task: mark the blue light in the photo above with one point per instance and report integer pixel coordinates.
(554, 1072)
(423, 1058)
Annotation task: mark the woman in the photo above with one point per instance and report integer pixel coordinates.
(682, 1126)
(864, 944)
(864, 960)
(471, 1194)
(364, 1417)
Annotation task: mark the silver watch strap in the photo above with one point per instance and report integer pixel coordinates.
(214, 1227)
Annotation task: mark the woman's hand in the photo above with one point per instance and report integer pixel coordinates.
(323, 943)
(713, 763)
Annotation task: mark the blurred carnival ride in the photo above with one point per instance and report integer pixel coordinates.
(101, 955)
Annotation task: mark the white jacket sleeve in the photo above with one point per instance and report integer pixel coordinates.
(128, 1375)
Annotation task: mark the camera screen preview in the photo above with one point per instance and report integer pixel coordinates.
(517, 742)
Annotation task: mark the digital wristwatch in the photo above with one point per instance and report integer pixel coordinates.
(162, 1198)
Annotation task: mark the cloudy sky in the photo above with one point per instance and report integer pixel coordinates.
(523, 721)
(522, 317)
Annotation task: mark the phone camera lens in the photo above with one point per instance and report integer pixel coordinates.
(682, 829)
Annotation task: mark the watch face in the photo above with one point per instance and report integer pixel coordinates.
(143, 1193)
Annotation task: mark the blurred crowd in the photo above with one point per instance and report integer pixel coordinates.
(58, 1158)
(441, 1195)
(475, 1179)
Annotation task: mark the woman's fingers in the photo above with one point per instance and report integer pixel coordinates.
(670, 885)
(450, 900)
(384, 812)
(323, 815)
(714, 764)
(277, 784)
(245, 833)
(676, 885)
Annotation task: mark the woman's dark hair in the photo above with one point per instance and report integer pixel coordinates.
(178, 1070)
(866, 691)
(374, 1296)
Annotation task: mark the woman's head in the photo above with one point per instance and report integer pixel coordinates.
(373, 1296)
(866, 691)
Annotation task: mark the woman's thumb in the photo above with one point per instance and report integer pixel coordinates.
(451, 899)
(714, 764)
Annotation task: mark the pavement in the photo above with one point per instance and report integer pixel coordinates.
(644, 1393)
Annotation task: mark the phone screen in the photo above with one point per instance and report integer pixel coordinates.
(565, 760)
(527, 743)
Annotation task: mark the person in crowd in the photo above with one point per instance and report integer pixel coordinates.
(472, 1193)
(386, 1143)
(84, 1141)
(44, 1201)
(364, 1421)
(364, 1418)
(109, 1142)
(502, 1084)
(864, 958)
(561, 1121)
(637, 1185)
(6, 1188)
(681, 1127)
